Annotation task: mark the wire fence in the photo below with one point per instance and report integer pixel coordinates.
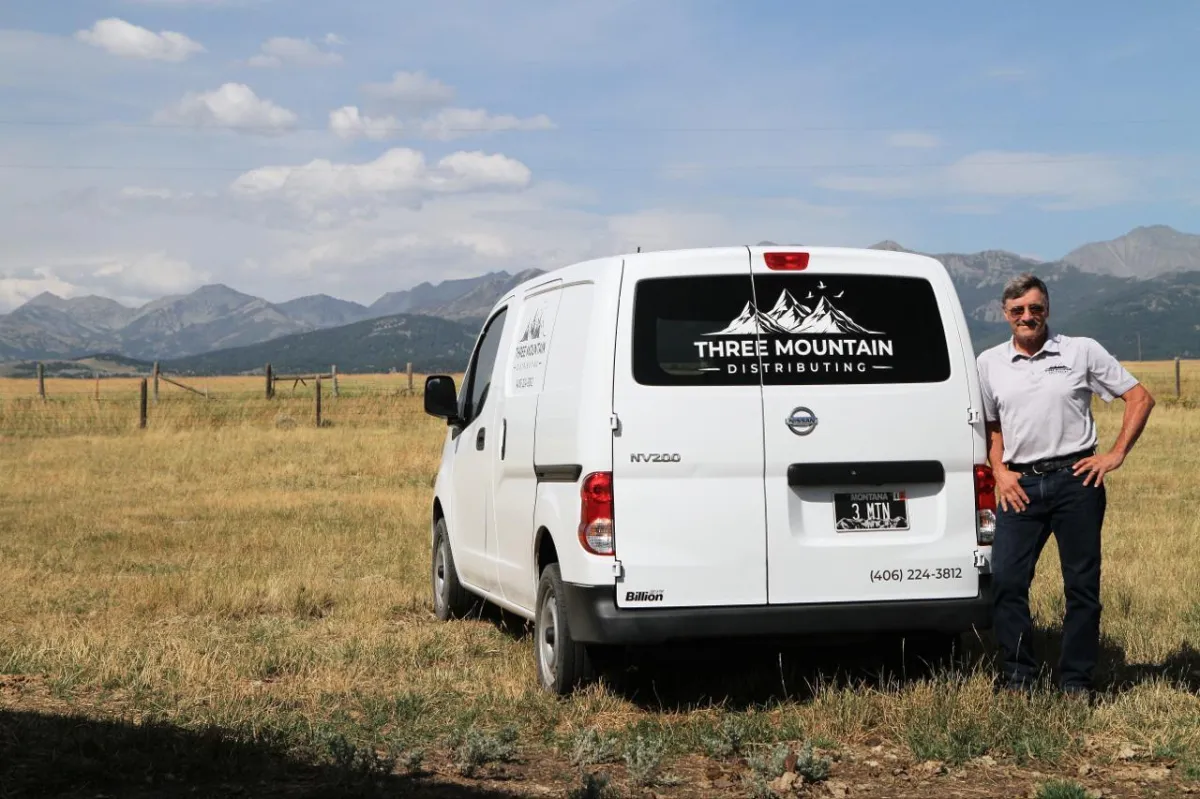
(110, 405)
(49, 406)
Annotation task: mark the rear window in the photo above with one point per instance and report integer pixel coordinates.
(793, 330)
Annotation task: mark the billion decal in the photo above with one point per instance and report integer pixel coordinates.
(808, 346)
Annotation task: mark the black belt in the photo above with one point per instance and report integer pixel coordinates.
(1051, 464)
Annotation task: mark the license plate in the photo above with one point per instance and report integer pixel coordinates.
(871, 511)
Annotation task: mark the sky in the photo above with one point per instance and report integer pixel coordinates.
(295, 147)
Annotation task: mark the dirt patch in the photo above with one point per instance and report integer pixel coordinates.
(55, 749)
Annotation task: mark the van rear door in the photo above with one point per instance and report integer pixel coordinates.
(689, 513)
(868, 447)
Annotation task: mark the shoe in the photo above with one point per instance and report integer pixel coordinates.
(1083, 693)
(1017, 688)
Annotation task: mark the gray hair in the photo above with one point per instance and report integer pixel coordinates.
(1017, 286)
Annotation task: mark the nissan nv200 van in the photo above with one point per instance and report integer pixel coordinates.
(722, 442)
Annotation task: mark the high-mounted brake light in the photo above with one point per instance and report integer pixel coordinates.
(787, 261)
(596, 513)
(985, 504)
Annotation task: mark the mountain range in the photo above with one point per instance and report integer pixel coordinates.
(216, 317)
(1138, 294)
(1141, 289)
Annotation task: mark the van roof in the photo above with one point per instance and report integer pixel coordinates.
(632, 259)
(757, 249)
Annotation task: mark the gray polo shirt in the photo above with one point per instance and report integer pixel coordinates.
(1043, 402)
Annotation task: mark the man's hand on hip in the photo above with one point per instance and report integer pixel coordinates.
(1008, 489)
(1096, 466)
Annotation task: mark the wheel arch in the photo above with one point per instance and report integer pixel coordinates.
(438, 515)
(545, 551)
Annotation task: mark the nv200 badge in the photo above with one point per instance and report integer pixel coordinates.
(655, 457)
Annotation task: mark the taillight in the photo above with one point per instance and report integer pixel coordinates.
(596, 513)
(789, 261)
(985, 504)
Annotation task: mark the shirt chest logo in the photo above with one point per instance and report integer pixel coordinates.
(1057, 369)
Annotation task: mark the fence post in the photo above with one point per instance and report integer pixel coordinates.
(318, 395)
(97, 386)
(156, 382)
(270, 383)
(42, 380)
(408, 371)
(142, 406)
(1177, 383)
(333, 373)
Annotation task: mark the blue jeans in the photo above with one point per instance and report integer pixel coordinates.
(1059, 502)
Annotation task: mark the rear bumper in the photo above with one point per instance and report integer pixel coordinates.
(594, 618)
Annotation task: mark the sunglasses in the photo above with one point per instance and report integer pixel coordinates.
(1018, 311)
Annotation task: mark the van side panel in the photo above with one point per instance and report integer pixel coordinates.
(572, 431)
(514, 482)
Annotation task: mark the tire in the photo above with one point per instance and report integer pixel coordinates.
(450, 599)
(562, 664)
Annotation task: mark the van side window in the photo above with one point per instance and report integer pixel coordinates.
(479, 374)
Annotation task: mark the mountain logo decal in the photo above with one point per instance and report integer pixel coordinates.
(790, 317)
(796, 337)
(533, 330)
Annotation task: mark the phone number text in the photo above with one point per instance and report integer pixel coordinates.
(907, 575)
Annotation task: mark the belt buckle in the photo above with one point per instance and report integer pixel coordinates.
(1033, 467)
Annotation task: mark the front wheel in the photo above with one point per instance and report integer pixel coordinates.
(450, 599)
(562, 663)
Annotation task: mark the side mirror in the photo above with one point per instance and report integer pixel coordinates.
(441, 397)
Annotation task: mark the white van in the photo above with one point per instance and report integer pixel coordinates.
(742, 441)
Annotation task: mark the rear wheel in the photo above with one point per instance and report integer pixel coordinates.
(450, 599)
(562, 663)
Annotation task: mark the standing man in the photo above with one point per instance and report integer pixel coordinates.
(1037, 392)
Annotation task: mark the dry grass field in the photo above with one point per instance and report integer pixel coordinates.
(236, 602)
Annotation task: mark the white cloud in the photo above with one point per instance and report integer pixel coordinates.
(1058, 182)
(130, 41)
(16, 291)
(914, 140)
(142, 193)
(129, 277)
(144, 274)
(348, 123)
(463, 235)
(333, 40)
(449, 123)
(415, 105)
(233, 105)
(399, 175)
(453, 123)
(1076, 181)
(414, 91)
(284, 51)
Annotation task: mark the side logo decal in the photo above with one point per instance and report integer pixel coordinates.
(529, 355)
(533, 330)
